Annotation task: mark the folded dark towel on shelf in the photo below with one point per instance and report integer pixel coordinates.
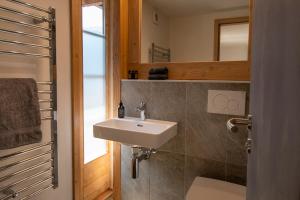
(158, 77)
(20, 117)
(163, 70)
(158, 73)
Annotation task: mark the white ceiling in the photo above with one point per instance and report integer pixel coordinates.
(177, 8)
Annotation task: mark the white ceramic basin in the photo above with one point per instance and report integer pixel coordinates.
(149, 133)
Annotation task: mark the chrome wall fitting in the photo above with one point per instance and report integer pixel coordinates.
(139, 154)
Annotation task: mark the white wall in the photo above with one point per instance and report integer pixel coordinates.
(29, 68)
(157, 33)
(64, 191)
(192, 38)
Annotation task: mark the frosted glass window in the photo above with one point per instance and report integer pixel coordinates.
(94, 80)
(234, 42)
(93, 19)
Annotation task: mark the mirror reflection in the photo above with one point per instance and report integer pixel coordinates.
(194, 30)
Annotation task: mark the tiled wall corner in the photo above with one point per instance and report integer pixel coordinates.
(202, 147)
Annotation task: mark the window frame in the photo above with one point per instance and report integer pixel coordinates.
(217, 32)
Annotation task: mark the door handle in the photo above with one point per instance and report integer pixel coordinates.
(233, 123)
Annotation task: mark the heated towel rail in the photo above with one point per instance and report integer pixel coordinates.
(159, 54)
(40, 159)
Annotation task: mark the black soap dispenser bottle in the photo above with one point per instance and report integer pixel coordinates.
(121, 110)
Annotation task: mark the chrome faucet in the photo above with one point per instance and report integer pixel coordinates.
(142, 110)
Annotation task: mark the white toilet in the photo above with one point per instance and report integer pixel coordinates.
(211, 189)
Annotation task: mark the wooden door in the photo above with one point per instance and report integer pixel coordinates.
(97, 178)
(273, 169)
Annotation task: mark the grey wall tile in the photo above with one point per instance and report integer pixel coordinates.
(203, 146)
(166, 176)
(235, 147)
(169, 103)
(236, 174)
(205, 132)
(133, 189)
(202, 167)
(132, 93)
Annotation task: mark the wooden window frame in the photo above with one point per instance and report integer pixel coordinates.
(217, 32)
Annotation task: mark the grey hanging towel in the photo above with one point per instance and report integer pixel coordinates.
(20, 118)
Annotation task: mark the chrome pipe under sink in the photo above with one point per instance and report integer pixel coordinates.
(139, 154)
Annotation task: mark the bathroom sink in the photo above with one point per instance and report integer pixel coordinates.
(132, 131)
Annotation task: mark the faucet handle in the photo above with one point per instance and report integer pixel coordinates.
(142, 106)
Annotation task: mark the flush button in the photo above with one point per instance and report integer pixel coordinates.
(226, 102)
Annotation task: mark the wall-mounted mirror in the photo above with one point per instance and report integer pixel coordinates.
(194, 30)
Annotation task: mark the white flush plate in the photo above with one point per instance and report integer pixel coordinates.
(226, 102)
